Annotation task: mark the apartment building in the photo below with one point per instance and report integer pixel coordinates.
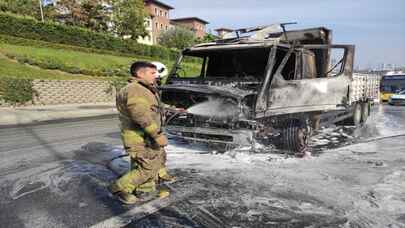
(195, 24)
(148, 39)
(222, 31)
(159, 18)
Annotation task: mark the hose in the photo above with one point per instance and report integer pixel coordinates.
(172, 117)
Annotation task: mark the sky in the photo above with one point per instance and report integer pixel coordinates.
(375, 27)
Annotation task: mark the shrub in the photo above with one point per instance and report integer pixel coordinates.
(54, 64)
(44, 44)
(30, 28)
(16, 91)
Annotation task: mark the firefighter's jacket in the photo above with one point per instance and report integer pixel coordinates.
(140, 113)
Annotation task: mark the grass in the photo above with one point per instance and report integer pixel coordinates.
(77, 62)
(37, 43)
(12, 69)
(69, 61)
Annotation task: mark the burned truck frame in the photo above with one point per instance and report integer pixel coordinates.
(276, 87)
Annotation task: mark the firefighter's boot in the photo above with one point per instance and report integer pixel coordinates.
(113, 188)
(165, 177)
(149, 186)
(163, 193)
(127, 198)
(124, 197)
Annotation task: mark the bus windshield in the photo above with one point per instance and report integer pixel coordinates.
(392, 83)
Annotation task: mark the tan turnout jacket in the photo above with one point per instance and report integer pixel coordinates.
(140, 112)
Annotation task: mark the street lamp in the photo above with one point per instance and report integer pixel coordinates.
(42, 12)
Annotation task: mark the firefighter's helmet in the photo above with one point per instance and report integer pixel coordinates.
(161, 68)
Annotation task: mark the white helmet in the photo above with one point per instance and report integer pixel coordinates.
(161, 68)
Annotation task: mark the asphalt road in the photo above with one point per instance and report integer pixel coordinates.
(30, 146)
(54, 175)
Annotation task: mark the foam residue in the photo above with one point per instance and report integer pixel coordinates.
(385, 121)
(58, 177)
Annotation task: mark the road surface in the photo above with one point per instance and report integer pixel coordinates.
(55, 175)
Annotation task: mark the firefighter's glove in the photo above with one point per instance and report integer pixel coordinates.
(161, 140)
(157, 135)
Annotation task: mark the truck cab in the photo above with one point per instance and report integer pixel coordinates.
(270, 86)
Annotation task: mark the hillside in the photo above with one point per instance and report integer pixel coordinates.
(12, 69)
(68, 61)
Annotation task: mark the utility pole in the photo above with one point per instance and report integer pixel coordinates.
(42, 11)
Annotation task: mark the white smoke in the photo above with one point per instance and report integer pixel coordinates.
(215, 107)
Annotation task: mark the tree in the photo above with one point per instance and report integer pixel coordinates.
(129, 18)
(91, 14)
(50, 12)
(208, 37)
(177, 37)
(22, 7)
(96, 15)
(71, 12)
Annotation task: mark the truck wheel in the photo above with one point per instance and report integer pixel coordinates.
(295, 136)
(365, 111)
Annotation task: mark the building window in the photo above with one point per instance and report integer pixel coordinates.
(166, 15)
(156, 11)
(167, 27)
(161, 26)
(157, 26)
(161, 13)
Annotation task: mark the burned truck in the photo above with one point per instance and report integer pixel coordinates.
(263, 84)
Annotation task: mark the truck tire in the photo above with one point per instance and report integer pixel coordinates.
(365, 111)
(295, 136)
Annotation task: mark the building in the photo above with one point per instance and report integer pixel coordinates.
(195, 24)
(148, 39)
(222, 31)
(159, 19)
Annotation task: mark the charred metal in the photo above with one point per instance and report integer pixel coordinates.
(260, 86)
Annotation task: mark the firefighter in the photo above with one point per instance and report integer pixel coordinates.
(140, 117)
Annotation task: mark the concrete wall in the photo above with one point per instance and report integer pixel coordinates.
(51, 92)
(3, 103)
